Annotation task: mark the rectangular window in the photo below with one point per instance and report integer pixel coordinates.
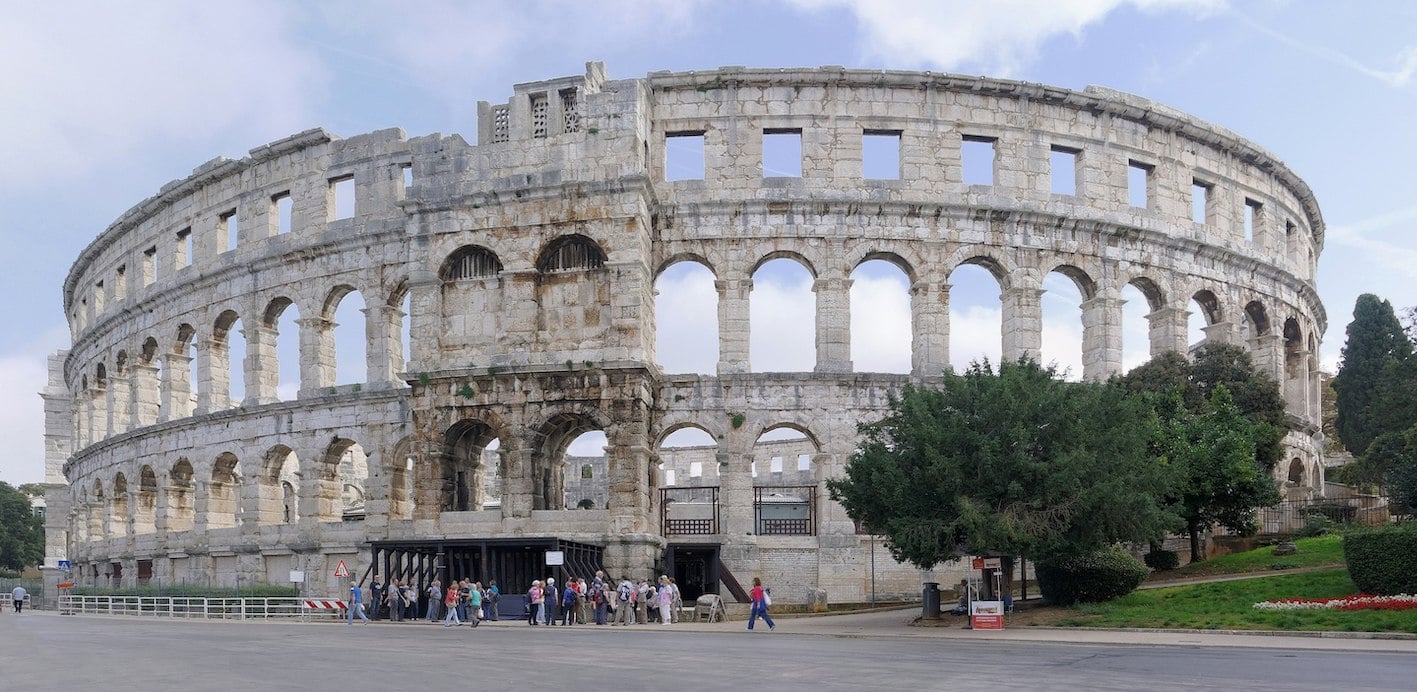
(98, 296)
(342, 197)
(501, 123)
(1139, 184)
(120, 283)
(1200, 201)
(184, 248)
(782, 153)
(880, 154)
(149, 266)
(777, 464)
(570, 111)
(230, 229)
(284, 206)
(1253, 218)
(804, 462)
(407, 176)
(684, 156)
(1063, 170)
(696, 469)
(669, 477)
(977, 158)
(538, 115)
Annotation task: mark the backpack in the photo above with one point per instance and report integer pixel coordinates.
(624, 592)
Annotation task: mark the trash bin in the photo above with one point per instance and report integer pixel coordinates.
(930, 600)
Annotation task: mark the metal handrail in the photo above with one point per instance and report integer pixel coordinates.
(195, 607)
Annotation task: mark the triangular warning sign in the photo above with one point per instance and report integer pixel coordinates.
(341, 570)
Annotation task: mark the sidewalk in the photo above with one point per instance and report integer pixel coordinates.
(896, 623)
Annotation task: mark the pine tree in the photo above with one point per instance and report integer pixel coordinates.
(1376, 343)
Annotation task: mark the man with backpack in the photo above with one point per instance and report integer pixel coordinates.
(597, 596)
(624, 603)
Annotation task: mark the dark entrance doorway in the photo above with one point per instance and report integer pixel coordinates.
(694, 568)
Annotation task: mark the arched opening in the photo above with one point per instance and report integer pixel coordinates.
(784, 483)
(880, 317)
(398, 471)
(278, 488)
(399, 330)
(471, 467)
(348, 334)
(1205, 311)
(569, 441)
(98, 511)
(686, 319)
(100, 403)
(976, 316)
(782, 318)
(687, 478)
(570, 253)
(181, 497)
(122, 412)
(228, 358)
(573, 294)
(118, 509)
(1139, 299)
(145, 512)
(1296, 375)
(184, 382)
(342, 474)
(148, 380)
(283, 319)
(223, 493)
(1064, 291)
(1298, 474)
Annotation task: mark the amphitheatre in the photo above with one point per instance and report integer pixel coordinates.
(523, 270)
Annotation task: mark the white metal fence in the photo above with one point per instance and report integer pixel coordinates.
(196, 607)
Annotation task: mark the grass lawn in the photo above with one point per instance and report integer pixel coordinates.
(1229, 605)
(1320, 551)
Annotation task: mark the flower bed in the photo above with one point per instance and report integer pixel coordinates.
(1359, 602)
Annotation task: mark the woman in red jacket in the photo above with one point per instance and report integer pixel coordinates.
(760, 605)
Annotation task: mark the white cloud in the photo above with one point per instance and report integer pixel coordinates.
(783, 318)
(998, 36)
(91, 83)
(1400, 75)
(880, 324)
(975, 335)
(686, 317)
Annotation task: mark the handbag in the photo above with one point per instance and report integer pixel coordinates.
(767, 599)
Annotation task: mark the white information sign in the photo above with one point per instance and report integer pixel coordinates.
(297, 576)
(555, 558)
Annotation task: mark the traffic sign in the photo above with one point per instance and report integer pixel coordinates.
(66, 565)
(341, 570)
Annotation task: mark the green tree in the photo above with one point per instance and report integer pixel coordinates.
(1195, 428)
(1018, 462)
(21, 530)
(1375, 344)
(1219, 479)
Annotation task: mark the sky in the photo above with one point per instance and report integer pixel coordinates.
(106, 102)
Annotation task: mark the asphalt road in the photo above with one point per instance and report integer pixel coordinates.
(45, 651)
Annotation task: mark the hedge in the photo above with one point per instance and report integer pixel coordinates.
(1089, 578)
(1383, 561)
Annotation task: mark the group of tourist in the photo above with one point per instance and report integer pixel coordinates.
(601, 600)
(461, 601)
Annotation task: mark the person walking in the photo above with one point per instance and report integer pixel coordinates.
(474, 603)
(762, 598)
(356, 603)
(18, 595)
(450, 605)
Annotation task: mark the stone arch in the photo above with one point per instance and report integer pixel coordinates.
(181, 383)
(181, 496)
(98, 407)
(685, 256)
(398, 475)
(277, 487)
(893, 257)
(464, 466)
(469, 262)
(226, 369)
(793, 255)
(882, 322)
(570, 253)
(783, 332)
(785, 477)
(987, 258)
(120, 408)
(691, 459)
(1086, 285)
(223, 492)
(1258, 318)
(398, 326)
(1296, 375)
(1298, 475)
(98, 512)
(342, 356)
(551, 441)
(343, 463)
(118, 507)
(278, 355)
(145, 510)
(686, 315)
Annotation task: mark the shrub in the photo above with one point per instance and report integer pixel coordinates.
(1315, 525)
(1383, 561)
(1089, 578)
(1162, 560)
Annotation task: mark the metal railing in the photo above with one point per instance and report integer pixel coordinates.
(785, 510)
(689, 511)
(1290, 516)
(195, 607)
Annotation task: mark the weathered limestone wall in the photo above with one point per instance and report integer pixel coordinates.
(528, 261)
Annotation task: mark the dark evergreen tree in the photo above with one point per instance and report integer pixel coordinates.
(21, 530)
(1376, 343)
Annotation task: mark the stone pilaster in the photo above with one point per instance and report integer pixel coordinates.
(261, 365)
(213, 370)
(120, 418)
(1101, 337)
(147, 394)
(317, 355)
(1022, 323)
(1268, 355)
(833, 324)
(1167, 330)
(383, 350)
(1220, 332)
(734, 325)
(176, 386)
(930, 328)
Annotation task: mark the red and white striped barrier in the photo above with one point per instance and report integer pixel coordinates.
(322, 604)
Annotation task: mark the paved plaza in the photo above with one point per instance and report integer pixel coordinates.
(877, 650)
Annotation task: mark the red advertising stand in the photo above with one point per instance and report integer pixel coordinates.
(986, 615)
